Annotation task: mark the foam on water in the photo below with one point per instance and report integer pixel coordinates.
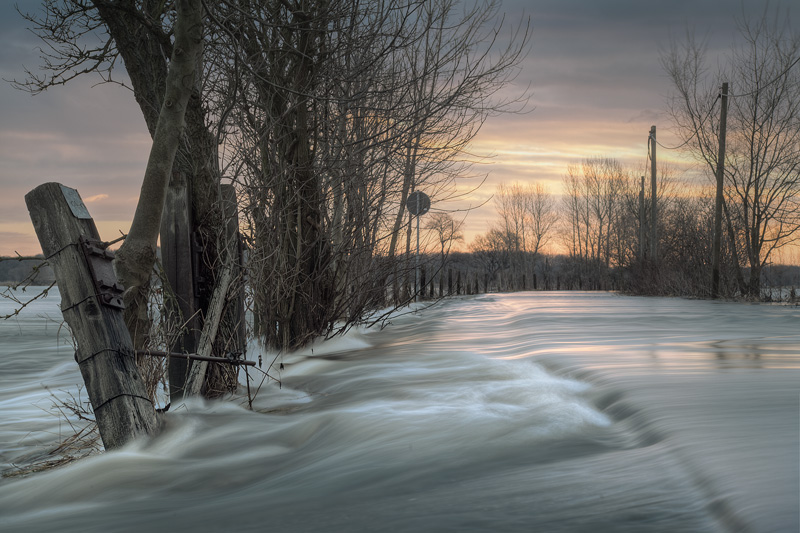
(548, 412)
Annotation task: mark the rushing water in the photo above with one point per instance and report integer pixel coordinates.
(543, 412)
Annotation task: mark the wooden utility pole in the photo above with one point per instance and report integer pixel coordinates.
(717, 245)
(641, 221)
(654, 199)
(91, 303)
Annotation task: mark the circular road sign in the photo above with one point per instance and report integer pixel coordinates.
(418, 203)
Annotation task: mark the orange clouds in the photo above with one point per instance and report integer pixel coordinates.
(95, 198)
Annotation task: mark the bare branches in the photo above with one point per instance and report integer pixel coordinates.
(76, 40)
(22, 305)
(762, 191)
(446, 230)
(343, 110)
(325, 115)
(64, 29)
(82, 441)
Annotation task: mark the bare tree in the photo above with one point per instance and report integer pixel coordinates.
(761, 191)
(96, 37)
(528, 213)
(340, 110)
(446, 232)
(593, 192)
(135, 259)
(541, 220)
(493, 252)
(325, 115)
(452, 84)
(510, 204)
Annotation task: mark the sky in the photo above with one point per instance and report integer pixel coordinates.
(593, 71)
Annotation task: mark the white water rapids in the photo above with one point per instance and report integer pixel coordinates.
(547, 411)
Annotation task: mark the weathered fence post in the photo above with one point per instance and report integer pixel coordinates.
(92, 306)
(231, 335)
(197, 372)
(217, 306)
(236, 308)
(177, 258)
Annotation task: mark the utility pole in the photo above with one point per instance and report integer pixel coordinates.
(654, 199)
(715, 257)
(641, 222)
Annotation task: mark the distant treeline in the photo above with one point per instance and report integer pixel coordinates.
(473, 273)
(13, 270)
(500, 271)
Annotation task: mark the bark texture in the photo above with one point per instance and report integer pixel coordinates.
(136, 257)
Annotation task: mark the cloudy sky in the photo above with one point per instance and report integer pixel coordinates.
(593, 69)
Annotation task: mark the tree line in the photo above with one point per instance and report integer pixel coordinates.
(605, 212)
(595, 234)
(14, 271)
(315, 119)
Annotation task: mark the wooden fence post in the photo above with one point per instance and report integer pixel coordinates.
(217, 306)
(197, 372)
(423, 282)
(177, 258)
(231, 335)
(105, 355)
(236, 307)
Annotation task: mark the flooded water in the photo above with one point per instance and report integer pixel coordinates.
(546, 412)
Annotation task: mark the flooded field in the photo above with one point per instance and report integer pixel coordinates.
(560, 411)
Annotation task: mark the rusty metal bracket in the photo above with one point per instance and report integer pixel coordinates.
(100, 260)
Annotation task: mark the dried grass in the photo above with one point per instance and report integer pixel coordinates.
(83, 440)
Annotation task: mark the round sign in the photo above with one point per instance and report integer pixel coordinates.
(418, 203)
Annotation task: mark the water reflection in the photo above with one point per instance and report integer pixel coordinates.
(744, 356)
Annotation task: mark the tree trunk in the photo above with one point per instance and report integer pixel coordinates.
(135, 259)
(145, 49)
(734, 252)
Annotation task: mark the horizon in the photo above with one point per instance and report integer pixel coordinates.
(596, 88)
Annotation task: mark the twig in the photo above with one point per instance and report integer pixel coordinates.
(23, 305)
